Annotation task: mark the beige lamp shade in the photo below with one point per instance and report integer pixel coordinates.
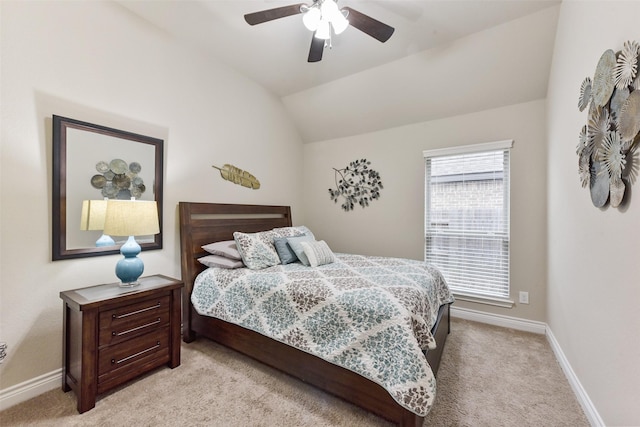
(93, 213)
(131, 218)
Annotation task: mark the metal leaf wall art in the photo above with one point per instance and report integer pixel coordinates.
(612, 132)
(238, 176)
(356, 184)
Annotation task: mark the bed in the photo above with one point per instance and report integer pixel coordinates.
(204, 223)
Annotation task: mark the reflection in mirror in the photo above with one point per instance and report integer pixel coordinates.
(92, 164)
(92, 219)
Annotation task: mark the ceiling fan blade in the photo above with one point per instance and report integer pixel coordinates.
(317, 47)
(271, 14)
(370, 26)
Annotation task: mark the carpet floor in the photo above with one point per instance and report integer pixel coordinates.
(489, 376)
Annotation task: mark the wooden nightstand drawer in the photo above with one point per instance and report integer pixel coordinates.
(133, 320)
(126, 355)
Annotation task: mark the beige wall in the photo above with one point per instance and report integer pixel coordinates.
(130, 76)
(394, 224)
(594, 271)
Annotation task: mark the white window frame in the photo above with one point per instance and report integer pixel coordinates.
(460, 291)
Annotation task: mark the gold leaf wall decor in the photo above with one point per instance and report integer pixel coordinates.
(238, 176)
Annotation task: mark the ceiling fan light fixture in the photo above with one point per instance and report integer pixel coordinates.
(324, 30)
(339, 23)
(311, 18)
(329, 9)
(323, 15)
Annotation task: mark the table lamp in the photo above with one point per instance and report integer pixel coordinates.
(131, 218)
(92, 218)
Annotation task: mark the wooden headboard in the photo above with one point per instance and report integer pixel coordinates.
(203, 223)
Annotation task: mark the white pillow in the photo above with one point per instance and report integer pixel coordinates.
(318, 253)
(227, 249)
(220, 262)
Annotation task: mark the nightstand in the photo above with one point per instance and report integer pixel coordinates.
(113, 334)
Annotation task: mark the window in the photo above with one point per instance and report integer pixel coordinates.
(467, 217)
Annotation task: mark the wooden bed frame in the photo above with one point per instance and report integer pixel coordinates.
(202, 223)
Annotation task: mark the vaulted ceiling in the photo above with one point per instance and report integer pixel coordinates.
(446, 57)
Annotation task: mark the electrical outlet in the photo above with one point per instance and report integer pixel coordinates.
(524, 297)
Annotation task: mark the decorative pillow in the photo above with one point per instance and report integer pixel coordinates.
(318, 253)
(256, 249)
(296, 245)
(227, 249)
(220, 261)
(292, 231)
(286, 254)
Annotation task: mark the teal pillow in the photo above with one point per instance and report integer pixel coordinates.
(286, 254)
(296, 245)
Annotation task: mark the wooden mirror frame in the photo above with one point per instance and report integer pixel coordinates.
(59, 201)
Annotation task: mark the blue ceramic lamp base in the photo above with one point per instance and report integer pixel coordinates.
(129, 268)
(105, 240)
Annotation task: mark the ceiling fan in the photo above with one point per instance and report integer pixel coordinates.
(322, 17)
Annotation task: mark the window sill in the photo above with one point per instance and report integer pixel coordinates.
(497, 302)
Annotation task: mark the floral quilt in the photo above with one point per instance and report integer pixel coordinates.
(371, 315)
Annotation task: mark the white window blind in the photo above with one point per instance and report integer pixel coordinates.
(467, 217)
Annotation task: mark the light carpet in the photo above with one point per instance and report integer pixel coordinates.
(489, 376)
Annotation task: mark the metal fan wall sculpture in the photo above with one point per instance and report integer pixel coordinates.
(324, 17)
(610, 138)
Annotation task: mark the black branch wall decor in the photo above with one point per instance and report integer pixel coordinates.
(356, 183)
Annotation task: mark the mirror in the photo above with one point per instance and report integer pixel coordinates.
(93, 162)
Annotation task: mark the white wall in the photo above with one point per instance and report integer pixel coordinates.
(394, 224)
(593, 266)
(96, 62)
(502, 65)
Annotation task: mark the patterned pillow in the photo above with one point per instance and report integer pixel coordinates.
(227, 249)
(292, 231)
(318, 253)
(257, 249)
(220, 262)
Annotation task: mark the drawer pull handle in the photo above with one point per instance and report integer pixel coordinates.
(128, 331)
(114, 361)
(121, 316)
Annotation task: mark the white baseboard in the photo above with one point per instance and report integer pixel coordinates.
(29, 389)
(499, 320)
(540, 328)
(583, 398)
